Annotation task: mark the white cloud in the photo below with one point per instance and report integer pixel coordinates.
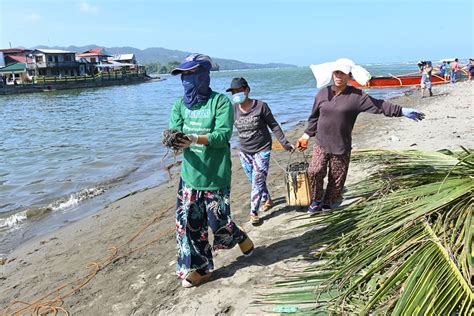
(33, 17)
(88, 8)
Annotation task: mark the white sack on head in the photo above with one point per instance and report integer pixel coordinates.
(323, 72)
(360, 74)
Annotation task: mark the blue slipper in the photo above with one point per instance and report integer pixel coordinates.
(314, 208)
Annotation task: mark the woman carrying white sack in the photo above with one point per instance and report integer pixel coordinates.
(332, 119)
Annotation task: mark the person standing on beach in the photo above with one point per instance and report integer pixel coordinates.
(442, 69)
(206, 118)
(426, 70)
(447, 71)
(332, 119)
(252, 120)
(470, 69)
(454, 70)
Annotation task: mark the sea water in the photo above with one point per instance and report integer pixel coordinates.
(66, 154)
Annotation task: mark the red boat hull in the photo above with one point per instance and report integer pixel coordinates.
(400, 81)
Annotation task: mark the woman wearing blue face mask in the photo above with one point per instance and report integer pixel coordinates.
(206, 118)
(252, 118)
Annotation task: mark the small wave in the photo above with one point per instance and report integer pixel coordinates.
(37, 212)
(12, 220)
(5, 205)
(76, 198)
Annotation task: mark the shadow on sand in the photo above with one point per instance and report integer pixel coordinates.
(283, 249)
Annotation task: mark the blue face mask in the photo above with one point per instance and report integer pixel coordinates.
(196, 88)
(239, 97)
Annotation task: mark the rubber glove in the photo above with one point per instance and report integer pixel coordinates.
(413, 114)
(302, 142)
(289, 147)
(193, 138)
(186, 141)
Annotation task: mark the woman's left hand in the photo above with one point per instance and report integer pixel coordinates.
(413, 114)
(183, 143)
(290, 147)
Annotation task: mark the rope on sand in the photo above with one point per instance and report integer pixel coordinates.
(52, 302)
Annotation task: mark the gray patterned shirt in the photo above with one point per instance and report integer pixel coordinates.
(252, 128)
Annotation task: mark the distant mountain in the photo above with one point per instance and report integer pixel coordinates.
(165, 56)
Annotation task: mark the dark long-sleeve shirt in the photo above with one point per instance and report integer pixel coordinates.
(252, 128)
(333, 116)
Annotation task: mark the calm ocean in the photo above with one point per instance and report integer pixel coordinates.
(65, 154)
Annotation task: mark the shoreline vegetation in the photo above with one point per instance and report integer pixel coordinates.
(132, 246)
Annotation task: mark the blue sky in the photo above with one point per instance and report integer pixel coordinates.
(298, 32)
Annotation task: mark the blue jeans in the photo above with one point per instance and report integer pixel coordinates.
(453, 76)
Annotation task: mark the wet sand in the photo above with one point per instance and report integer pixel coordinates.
(140, 279)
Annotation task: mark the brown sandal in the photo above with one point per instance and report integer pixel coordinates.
(266, 206)
(195, 278)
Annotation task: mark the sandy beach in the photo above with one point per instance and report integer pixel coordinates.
(131, 243)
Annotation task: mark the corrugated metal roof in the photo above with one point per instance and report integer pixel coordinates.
(53, 51)
(113, 64)
(124, 57)
(20, 59)
(14, 50)
(90, 54)
(14, 67)
(94, 52)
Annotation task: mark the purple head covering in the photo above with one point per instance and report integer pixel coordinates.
(196, 87)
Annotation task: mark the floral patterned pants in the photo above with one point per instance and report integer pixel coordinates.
(256, 168)
(195, 211)
(318, 168)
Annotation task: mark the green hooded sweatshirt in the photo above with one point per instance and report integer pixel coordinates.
(206, 167)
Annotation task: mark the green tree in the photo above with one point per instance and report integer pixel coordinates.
(152, 67)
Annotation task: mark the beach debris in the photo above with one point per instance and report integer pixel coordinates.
(225, 310)
(3, 260)
(297, 183)
(170, 166)
(171, 138)
(298, 166)
(394, 138)
(140, 282)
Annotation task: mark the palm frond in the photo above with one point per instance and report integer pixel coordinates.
(404, 248)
